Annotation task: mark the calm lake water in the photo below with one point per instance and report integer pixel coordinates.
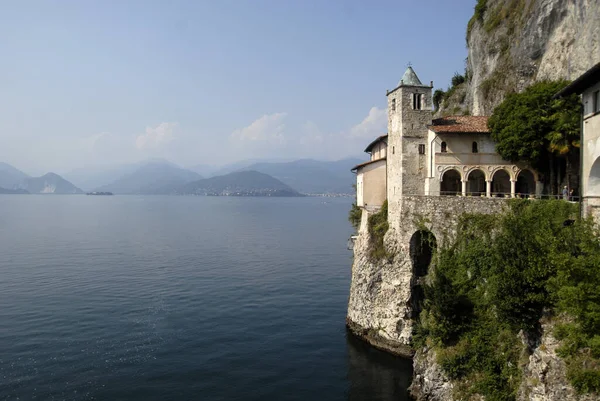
(181, 298)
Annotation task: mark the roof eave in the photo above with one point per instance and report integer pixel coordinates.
(579, 85)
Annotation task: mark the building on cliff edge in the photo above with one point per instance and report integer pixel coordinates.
(430, 171)
(435, 157)
(588, 86)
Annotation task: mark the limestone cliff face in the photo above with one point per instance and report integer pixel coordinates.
(379, 302)
(513, 43)
(544, 375)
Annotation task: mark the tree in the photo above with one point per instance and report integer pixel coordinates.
(438, 97)
(532, 126)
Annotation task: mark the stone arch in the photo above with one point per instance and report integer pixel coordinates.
(422, 248)
(451, 182)
(593, 183)
(476, 182)
(501, 183)
(525, 185)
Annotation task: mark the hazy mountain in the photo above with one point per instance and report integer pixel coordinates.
(312, 176)
(151, 178)
(48, 184)
(4, 191)
(213, 171)
(205, 170)
(244, 183)
(10, 177)
(90, 178)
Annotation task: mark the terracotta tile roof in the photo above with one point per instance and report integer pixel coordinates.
(367, 163)
(465, 124)
(372, 144)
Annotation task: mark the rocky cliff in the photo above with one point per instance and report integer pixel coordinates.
(512, 43)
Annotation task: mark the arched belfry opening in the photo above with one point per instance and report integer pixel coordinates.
(422, 248)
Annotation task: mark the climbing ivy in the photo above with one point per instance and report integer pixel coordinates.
(497, 278)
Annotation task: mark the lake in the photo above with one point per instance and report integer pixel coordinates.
(181, 298)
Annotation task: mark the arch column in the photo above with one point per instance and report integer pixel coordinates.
(488, 188)
(464, 187)
(513, 185)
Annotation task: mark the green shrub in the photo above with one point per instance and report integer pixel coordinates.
(354, 216)
(457, 79)
(438, 97)
(498, 277)
(378, 226)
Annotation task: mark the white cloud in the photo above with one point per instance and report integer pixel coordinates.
(373, 125)
(310, 134)
(267, 128)
(156, 137)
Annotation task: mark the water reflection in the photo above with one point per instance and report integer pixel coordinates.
(375, 375)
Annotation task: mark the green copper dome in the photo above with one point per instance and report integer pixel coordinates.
(410, 78)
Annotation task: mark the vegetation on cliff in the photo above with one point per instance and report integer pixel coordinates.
(497, 279)
(452, 101)
(354, 215)
(533, 127)
(378, 226)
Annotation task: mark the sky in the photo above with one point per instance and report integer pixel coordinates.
(92, 83)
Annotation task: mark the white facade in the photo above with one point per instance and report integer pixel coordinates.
(590, 178)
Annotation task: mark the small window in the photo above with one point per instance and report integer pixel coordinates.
(421, 149)
(444, 147)
(393, 150)
(417, 101)
(474, 148)
(393, 104)
(596, 101)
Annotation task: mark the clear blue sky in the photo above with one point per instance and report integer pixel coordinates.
(211, 82)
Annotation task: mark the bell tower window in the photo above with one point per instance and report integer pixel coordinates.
(417, 101)
(393, 104)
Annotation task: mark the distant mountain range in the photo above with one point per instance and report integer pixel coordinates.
(244, 183)
(48, 184)
(269, 178)
(10, 177)
(312, 176)
(14, 181)
(151, 178)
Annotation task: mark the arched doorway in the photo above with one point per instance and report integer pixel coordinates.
(451, 184)
(593, 184)
(422, 248)
(525, 186)
(476, 183)
(501, 184)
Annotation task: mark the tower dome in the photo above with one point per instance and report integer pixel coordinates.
(410, 78)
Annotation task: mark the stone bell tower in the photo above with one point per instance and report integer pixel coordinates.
(409, 114)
